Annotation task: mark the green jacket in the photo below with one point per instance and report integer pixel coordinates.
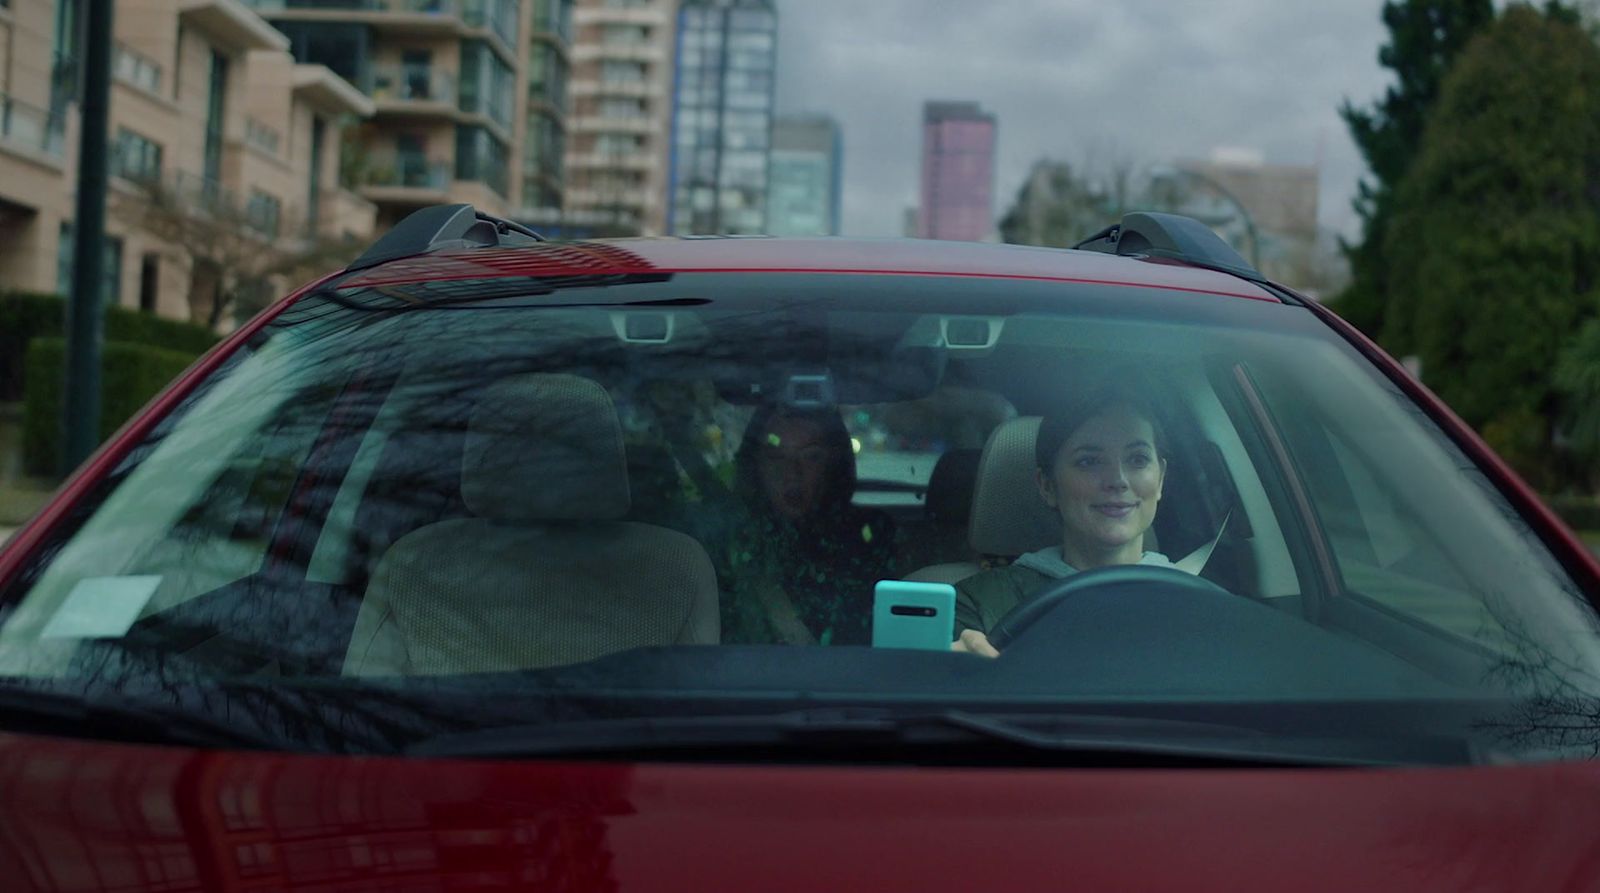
(984, 598)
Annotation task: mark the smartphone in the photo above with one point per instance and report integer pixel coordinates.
(913, 615)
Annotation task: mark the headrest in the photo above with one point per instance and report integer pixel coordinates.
(950, 486)
(545, 448)
(1008, 517)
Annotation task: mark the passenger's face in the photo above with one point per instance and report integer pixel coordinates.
(793, 464)
(1105, 485)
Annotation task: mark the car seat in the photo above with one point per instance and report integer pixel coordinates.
(543, 573)
(1007, 518)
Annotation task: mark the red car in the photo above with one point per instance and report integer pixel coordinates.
(495, 563)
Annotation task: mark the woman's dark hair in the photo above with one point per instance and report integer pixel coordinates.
(839, 484)
(1060, 423)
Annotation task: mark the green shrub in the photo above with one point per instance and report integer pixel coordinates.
(1580, 512)
(131, 375)
(25, 315)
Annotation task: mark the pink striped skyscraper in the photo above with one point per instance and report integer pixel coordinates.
(957, 172)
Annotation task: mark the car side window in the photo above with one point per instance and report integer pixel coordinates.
(1385, 551)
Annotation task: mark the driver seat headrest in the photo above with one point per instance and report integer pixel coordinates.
(1008, 517)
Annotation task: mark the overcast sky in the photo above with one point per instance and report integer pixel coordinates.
(1147, 80)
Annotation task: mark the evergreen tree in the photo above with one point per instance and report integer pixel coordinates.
(1494, 245)
(1425, 36)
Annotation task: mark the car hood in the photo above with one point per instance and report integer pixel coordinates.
(78, 815)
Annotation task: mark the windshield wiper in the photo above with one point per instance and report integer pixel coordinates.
(44, 711)
(942, 737)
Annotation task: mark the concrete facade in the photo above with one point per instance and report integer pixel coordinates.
(462, 114)
(620, 131)
(274, 147)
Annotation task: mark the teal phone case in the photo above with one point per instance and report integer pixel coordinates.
(913, 615)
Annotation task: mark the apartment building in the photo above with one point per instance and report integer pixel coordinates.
(452, 87)
(207, 106)
(726, 64)
(617, 146)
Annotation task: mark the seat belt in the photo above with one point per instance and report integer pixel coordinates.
(1195, 561)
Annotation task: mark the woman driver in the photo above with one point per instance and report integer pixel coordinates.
(1100, 466)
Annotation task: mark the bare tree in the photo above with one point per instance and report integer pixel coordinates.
(238, 254)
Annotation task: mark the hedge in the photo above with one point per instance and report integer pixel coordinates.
(1580, 512)
(131, 375)
(26, 315)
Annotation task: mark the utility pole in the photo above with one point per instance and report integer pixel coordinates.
(85, 315)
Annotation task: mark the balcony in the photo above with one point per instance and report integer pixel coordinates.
(659, 16)
(231, 23)
(621, 89)
(407, 180)
(413, 90)
(32, 129)
(423, 18)
(638, 160)
(640, 124)
(632, 51)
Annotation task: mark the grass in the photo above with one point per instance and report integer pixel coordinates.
(1592, 537)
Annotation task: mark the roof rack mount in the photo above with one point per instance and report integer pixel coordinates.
(1172, 236)
(443, 226)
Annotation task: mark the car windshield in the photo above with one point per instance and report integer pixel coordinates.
(413, 513)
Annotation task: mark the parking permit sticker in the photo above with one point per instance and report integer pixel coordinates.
(101, 607)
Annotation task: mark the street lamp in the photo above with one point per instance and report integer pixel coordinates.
(1172, 172)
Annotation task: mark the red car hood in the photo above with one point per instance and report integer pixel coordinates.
(87, 816)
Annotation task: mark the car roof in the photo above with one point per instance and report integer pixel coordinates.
(817, 255)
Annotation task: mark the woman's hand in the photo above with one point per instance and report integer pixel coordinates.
(974, 642)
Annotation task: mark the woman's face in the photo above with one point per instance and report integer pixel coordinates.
(1105, 485)
(793, 464)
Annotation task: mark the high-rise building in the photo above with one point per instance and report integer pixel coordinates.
(447, 78)
(544, 136)
(722, 122)
(213, 127)
(803, 191)
(621, 117)
(957, 196)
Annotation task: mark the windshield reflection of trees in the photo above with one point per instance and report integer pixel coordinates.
(264, 652)
(260, 646)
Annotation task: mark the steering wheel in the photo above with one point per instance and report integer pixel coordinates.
(1131, 577)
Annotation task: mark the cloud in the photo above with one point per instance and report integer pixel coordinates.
(1145, 80)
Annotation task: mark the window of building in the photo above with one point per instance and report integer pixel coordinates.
(553, 17)
(481, 157)
(216, 116)
(345, 49)
(135, 158)
(622, 108)
(625, 35)
(547, 76)
(110, 273)
(488, 85)
(263, 213)
(149, 282)
(614, 71)
(134, 68)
